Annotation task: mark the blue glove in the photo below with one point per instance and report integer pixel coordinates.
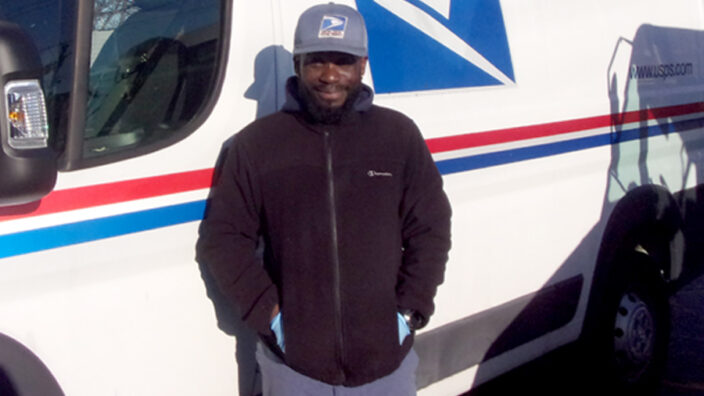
(278, 328)
(403, 330)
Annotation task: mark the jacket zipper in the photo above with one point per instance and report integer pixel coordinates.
(335, 251)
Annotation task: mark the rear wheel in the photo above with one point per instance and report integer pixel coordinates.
(630, 327)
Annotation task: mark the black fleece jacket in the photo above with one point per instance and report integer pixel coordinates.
(355, 225)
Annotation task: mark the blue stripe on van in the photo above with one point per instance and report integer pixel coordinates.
(102, 228)
(480, 161)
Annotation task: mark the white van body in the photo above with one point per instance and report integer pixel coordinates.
(541, 115)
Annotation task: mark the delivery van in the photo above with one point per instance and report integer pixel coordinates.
(570, 137)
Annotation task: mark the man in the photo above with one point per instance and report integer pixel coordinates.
(355, 226)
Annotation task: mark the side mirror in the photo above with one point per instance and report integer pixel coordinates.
(28, 165)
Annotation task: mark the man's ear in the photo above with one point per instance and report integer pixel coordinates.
(297, 65)
(363, 61)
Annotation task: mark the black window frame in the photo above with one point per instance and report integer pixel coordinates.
(72, 156)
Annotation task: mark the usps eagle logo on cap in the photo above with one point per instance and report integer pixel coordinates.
(333, 26)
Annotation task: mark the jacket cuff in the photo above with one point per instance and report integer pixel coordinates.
(421, 308)
(414, 319)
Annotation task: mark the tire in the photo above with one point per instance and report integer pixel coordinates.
(629, 328)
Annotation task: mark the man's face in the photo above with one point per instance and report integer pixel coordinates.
(330, 78)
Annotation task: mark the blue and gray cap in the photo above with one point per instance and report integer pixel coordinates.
(331, 27)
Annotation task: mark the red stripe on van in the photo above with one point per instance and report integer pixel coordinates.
(110, 193)
(458, 142)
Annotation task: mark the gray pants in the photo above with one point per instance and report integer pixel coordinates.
(280, 380)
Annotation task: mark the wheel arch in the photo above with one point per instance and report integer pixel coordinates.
(639, 246)
(648, 220)
(23, 373)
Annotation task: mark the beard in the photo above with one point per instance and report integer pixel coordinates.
(322, 114)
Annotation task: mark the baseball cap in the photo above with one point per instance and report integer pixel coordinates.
(331, 27)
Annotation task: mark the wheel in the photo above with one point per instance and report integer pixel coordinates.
(630, 328)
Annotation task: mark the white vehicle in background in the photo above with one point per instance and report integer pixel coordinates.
(570, 136)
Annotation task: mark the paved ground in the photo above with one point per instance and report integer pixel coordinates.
(684, 373)
(685, 367)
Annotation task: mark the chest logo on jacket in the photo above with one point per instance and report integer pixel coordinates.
(373, 173)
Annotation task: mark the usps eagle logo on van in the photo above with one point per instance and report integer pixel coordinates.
(420, 45)
(333, 26)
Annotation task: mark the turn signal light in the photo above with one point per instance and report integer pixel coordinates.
(26, 115)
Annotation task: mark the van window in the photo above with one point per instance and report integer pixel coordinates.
(152, 68)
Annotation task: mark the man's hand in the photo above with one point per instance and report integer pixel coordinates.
(277, 327)
(274, 312)
(403, 329)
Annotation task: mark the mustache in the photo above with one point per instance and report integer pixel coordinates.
(329, 88)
